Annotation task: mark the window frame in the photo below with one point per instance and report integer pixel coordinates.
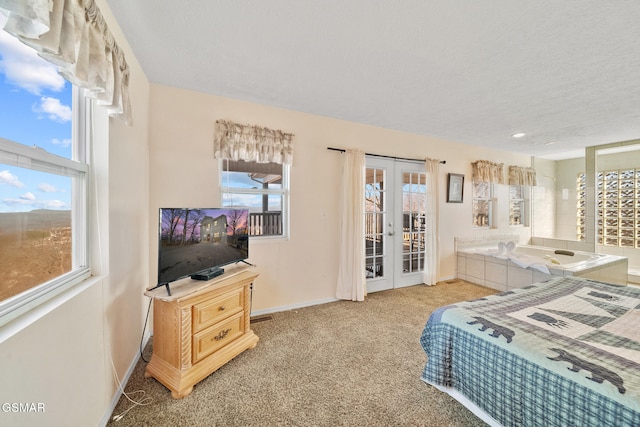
(489, 200)
(284, 192)
(523, 202)
(78, 169)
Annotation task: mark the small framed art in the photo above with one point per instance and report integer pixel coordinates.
(455, 186)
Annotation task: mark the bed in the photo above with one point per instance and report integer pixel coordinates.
(565, 352)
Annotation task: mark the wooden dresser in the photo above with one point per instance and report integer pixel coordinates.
(200, 327)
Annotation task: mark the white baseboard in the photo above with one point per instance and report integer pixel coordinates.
(123, 381)
(291, 307)
(255, 313)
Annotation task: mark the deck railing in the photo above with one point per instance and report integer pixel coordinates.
(265, 224)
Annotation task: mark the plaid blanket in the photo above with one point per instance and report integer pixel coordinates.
(565, 352)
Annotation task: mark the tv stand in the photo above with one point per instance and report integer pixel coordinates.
(199, 328)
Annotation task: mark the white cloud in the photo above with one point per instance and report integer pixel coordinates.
(54, 204)
(18, 202)
(47, 188)
(61, 142)
(25, 201)
(23, 67)
(53, 109)
(7, 177)
(28, 196)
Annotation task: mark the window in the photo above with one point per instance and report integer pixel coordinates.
(43, 180)
(481, 204)
(618, 207)
(517, 210)
(263, 188)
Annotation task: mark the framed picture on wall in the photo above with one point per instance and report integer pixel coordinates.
(455, 186)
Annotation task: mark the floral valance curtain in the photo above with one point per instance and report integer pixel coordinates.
(486, 171)
(252, 143)
(522, 176)
(73, 35)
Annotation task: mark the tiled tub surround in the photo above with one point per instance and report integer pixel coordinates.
(475, 266)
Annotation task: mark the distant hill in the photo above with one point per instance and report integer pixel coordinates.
(38, 219)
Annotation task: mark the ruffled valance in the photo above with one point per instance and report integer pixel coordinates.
(486, 171)
(73, 35)
(252, 143)
(519, 175)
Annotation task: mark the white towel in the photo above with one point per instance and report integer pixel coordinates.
(525, 261)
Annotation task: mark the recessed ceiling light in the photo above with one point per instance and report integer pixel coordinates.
(518, 135)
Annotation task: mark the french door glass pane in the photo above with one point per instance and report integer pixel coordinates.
(374, 222)
(413, 218)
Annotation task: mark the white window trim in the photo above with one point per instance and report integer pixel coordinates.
(525, 192)
(20, 155)
(286, 190)
(491, 205)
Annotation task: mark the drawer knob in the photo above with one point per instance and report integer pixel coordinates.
(222, 308)
(222, 334)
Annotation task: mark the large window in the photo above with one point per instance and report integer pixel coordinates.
(43, 179)
(263, 188)
(618, 207)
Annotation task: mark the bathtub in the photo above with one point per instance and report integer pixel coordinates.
(488, 266)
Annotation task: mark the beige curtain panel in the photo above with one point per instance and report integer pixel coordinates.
(234, 141)
(519, 175)
(352, 282)
(486, 171)
(432, 238)
(73, 35)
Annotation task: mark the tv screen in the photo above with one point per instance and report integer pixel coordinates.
(195, 241)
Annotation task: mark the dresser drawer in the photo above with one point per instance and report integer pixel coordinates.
(217, 336)
(210, 312)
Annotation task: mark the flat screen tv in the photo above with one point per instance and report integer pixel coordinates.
(198, 242)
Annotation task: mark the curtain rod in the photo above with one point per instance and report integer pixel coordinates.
(342, 150)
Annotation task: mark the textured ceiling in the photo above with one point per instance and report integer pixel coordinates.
(472, 71)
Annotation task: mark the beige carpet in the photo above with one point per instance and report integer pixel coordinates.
(338, 364)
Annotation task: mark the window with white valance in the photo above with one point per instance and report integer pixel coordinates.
(74, 36)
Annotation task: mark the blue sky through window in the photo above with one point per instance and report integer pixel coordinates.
(35, 110)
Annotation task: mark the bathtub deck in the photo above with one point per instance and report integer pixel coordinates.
(502, 274)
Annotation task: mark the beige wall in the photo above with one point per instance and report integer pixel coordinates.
(61, 354)
(302, 270)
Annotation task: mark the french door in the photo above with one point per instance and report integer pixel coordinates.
(395, 200)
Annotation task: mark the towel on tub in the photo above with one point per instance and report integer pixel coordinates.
(525, 261)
